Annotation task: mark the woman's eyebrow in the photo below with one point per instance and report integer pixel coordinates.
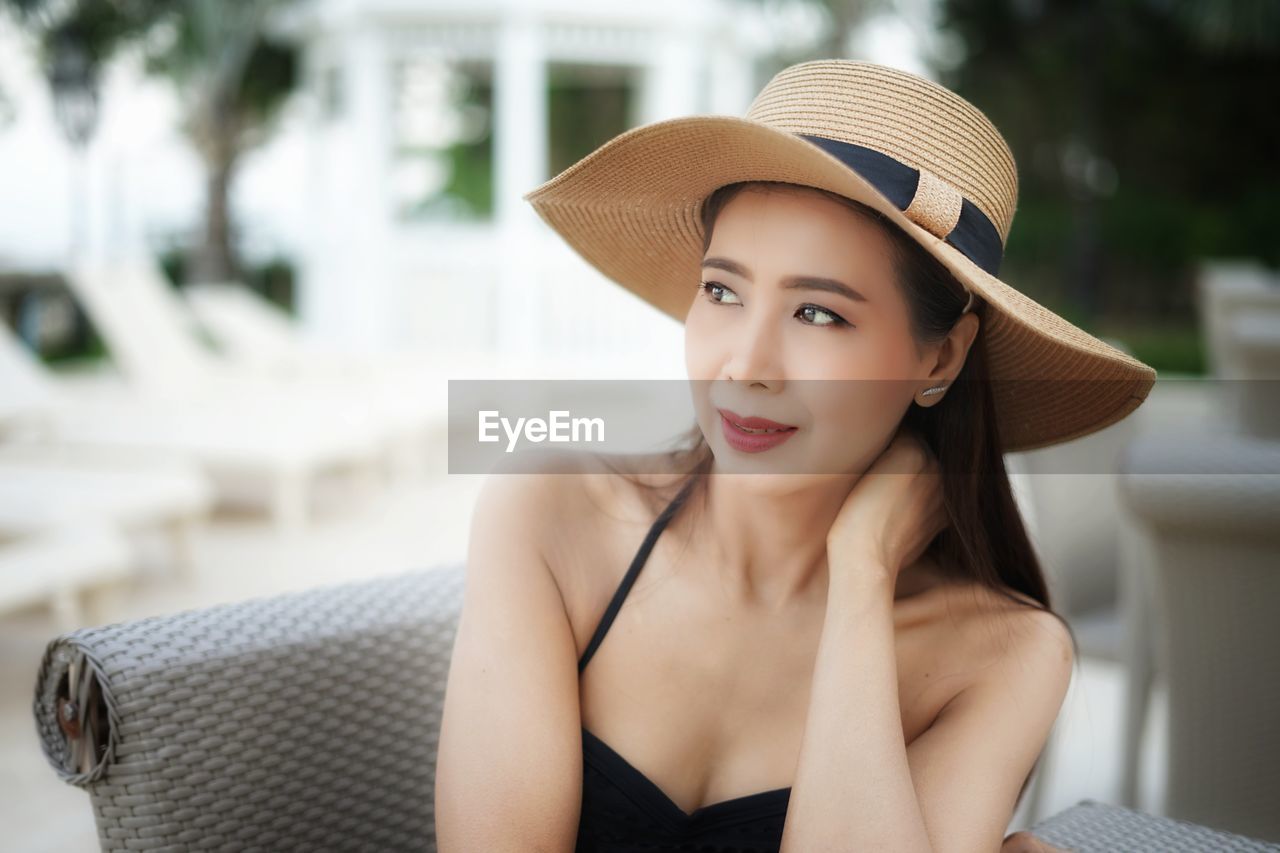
(795, 282)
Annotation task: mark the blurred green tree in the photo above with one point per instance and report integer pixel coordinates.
(1146, 133)
(231, 71)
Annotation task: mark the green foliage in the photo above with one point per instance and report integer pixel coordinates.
(471, 176)
(99, 27)
(273, 278)
(270, 76)
(1169, 349)
(584, 111)
(1146, 136)
(77, 354)
(190, 47)
(467, 161)
(471, 163)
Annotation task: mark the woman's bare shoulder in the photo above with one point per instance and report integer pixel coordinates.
(574, 495)
(582, 513)
(618, 485)
(999, 627)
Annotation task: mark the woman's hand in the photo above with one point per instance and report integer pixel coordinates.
(893, 512)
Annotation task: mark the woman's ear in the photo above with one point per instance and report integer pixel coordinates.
(954, 349)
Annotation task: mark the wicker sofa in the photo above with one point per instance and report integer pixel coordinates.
(309, 721)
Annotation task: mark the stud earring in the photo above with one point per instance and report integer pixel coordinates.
(937, 389)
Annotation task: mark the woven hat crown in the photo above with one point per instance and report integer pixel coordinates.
(918, 122)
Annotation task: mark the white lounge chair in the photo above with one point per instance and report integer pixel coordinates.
(59, 565)
(158, 344)
(263, 452)
(44, 487)
(256, 332)
(1253, 347)
(27, 404)
(1211, 504)
(1095, 559)
(408, 389)
(1225, 290)
(1092, 555)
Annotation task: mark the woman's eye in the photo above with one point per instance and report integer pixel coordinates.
(716, 292)
(809, 311)
(813, 315)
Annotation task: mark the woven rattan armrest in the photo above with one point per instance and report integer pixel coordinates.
(303, 721)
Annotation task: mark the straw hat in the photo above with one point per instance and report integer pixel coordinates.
(906, 146)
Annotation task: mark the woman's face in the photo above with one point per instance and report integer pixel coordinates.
(800, 320)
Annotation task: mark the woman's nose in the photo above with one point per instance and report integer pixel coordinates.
(755, 353)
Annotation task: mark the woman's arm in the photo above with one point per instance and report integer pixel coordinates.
(859, 787)
(509, 763)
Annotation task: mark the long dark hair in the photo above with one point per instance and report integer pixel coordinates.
(986, 540)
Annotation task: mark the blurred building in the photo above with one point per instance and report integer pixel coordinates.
(432, 119)
(392, 182)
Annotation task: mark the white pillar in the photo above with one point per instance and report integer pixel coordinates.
(673, 81)
(520, 163)
(351, 292)
(731, 79)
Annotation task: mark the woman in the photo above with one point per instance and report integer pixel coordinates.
(841, 638)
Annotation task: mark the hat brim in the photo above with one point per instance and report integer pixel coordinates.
(632, 209)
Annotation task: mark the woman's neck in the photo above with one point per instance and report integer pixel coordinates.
(770, 543)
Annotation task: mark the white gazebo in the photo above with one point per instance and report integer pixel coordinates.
(502, 282)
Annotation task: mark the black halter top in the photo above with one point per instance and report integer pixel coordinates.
(624, 811)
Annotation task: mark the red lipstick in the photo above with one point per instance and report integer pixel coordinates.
(735, 428)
